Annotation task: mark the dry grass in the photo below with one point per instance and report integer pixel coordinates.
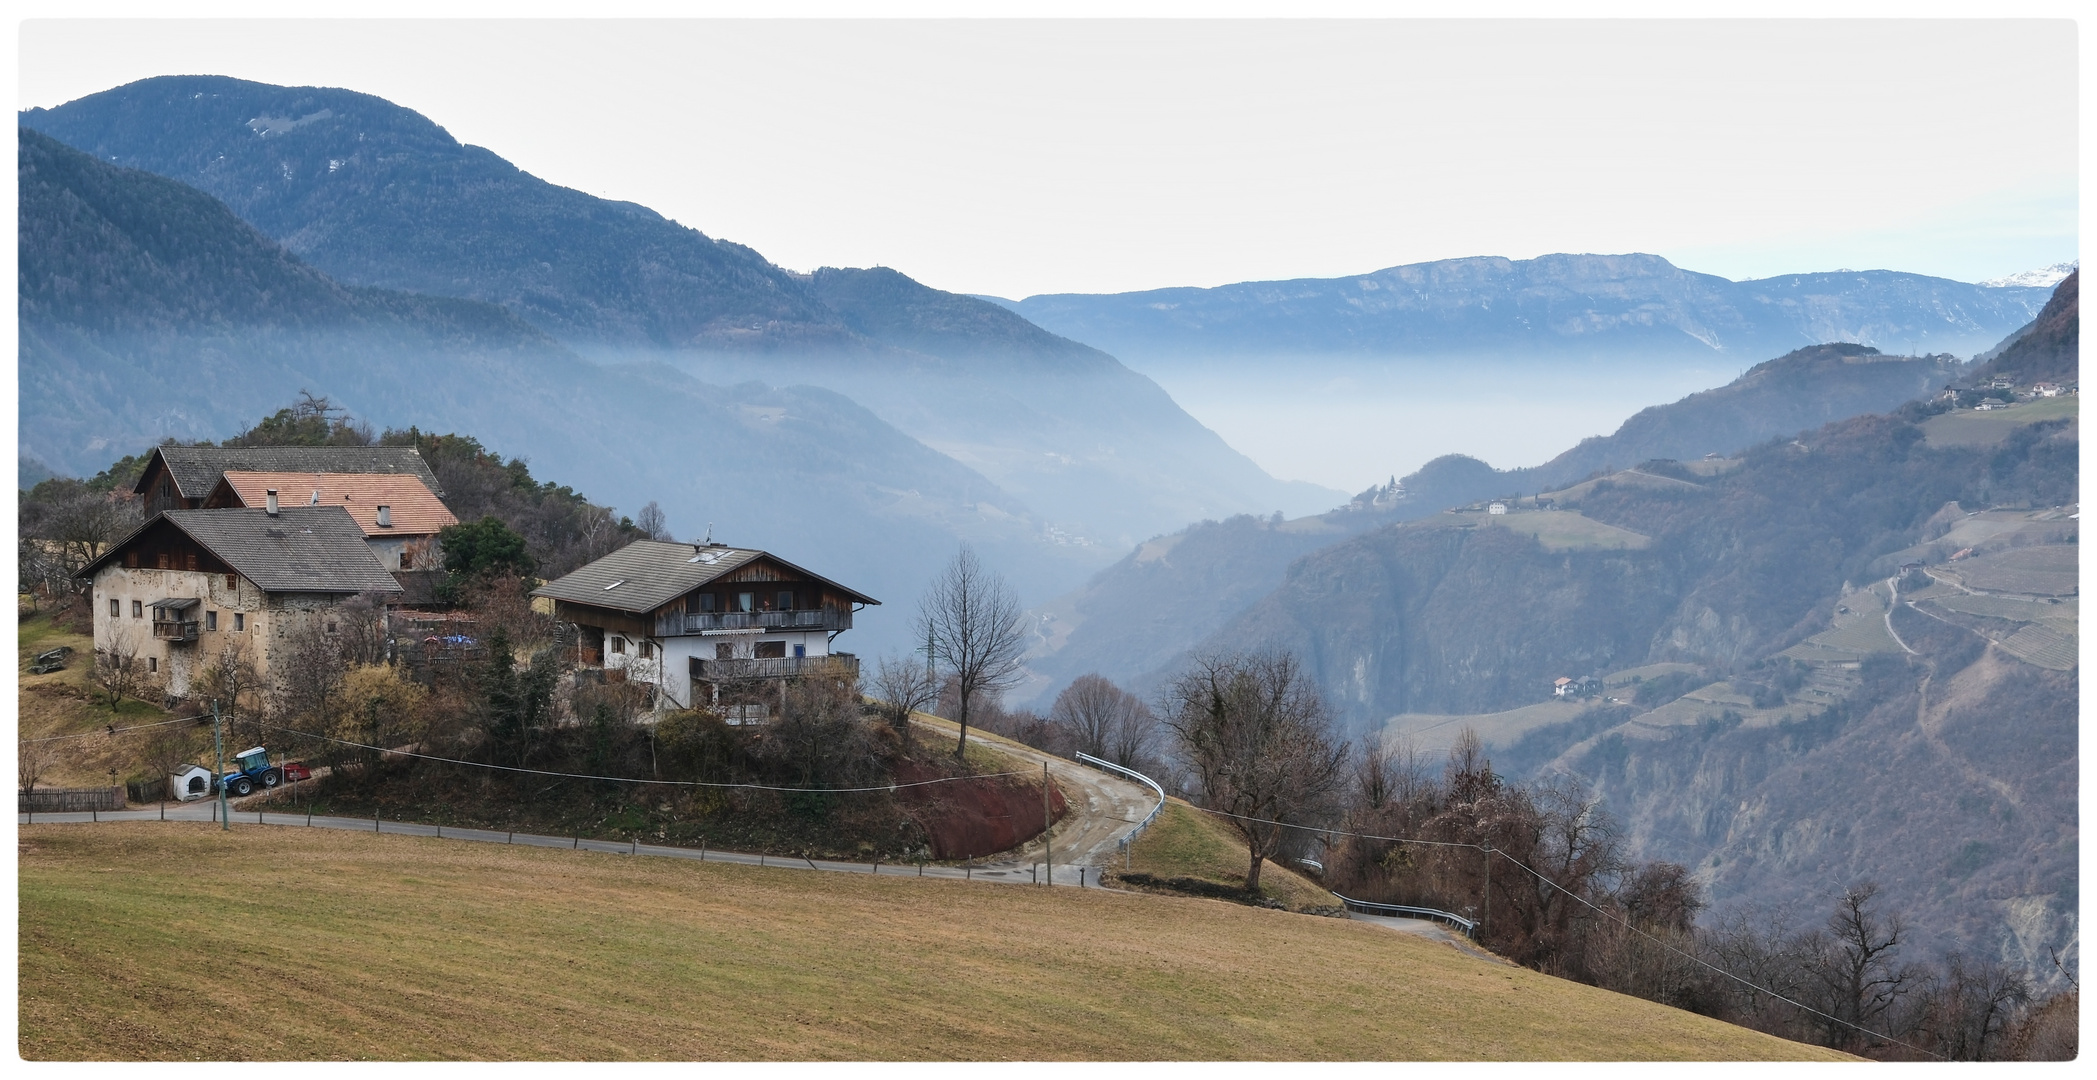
(66, 702)
(1184, 842)
(1966, 427)
(303, 944)
(1568, 530)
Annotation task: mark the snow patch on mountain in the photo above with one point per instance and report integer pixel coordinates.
(2044, 279)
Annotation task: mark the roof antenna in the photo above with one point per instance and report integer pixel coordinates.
(709, 534)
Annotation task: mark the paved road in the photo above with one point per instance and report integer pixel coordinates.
(1103, 809)
(1429, 929)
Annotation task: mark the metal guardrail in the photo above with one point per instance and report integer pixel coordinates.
(1102, 763)
(1403, 911)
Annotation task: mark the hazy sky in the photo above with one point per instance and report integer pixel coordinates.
(1024, 157)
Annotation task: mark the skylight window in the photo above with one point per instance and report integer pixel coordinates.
(704, 557)
(614, 585)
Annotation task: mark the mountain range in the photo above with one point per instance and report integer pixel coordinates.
(147, 308)
(373, 194)
(1611, 308)
(1838, 647)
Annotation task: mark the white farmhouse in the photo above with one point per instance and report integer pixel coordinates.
(705, 623)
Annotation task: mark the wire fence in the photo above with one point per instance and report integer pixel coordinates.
(1007, 873)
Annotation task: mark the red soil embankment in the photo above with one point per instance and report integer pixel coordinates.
(976, 816)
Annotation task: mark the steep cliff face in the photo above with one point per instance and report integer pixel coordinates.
(1951, 780)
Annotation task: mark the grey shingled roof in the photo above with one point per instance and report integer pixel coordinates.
(651, 573)
(196, 469)
(301, 549)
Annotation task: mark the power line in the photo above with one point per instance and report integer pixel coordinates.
(629, 779)
(1626, 924)
(118, 730)
(1583, 900)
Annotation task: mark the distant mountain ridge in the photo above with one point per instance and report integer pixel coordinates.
(148, 309)
(1565, 306)
(374, 194)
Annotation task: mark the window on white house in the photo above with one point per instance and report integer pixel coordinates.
(138, 609)
(114, 610)
(152, 664)
(240, 621)
(619, 646)
(648, 650)
(211, 620)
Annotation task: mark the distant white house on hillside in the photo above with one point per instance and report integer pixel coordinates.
(1496, 508)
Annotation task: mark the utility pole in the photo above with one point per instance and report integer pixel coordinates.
(218, 741)
(1047, 860)
(1488, 913)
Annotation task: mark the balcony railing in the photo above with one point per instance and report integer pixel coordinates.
(843, 665)
(175, 631)
(813, 619)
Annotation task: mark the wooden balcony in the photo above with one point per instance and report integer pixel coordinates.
(841, 665)
(828, 619)
(174, 630)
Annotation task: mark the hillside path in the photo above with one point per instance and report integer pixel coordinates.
(1102, 810)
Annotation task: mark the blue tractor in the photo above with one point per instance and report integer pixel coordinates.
(254, 771)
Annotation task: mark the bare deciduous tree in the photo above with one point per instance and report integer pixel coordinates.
(117, 670)
(652, 522)
(230, 680)
(166, 750)
(1852, 964)
(33, 759)
(1104, 720)
(1259, 740)
(903, 685)
(977, 630)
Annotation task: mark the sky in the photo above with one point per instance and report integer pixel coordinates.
(1014, 157)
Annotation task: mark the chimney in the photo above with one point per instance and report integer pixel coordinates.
(385, 517)
(269, 505)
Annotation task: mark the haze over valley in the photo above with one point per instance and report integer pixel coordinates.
(1782, 573)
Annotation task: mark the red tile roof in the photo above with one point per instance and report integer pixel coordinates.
(416, 511)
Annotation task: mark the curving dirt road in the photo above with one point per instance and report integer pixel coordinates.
(1103, 809)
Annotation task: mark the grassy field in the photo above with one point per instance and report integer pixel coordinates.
(1184, 842)
(2048, 570)
(1566, 530)
(1966, 427)
(389, 947)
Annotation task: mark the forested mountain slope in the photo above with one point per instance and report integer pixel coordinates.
(2050, 349)
(375, 194)
(148, 310)
(1175, 590)
(1471, 613)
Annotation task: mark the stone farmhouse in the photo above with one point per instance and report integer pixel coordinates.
(191, 585)
(706, 624)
